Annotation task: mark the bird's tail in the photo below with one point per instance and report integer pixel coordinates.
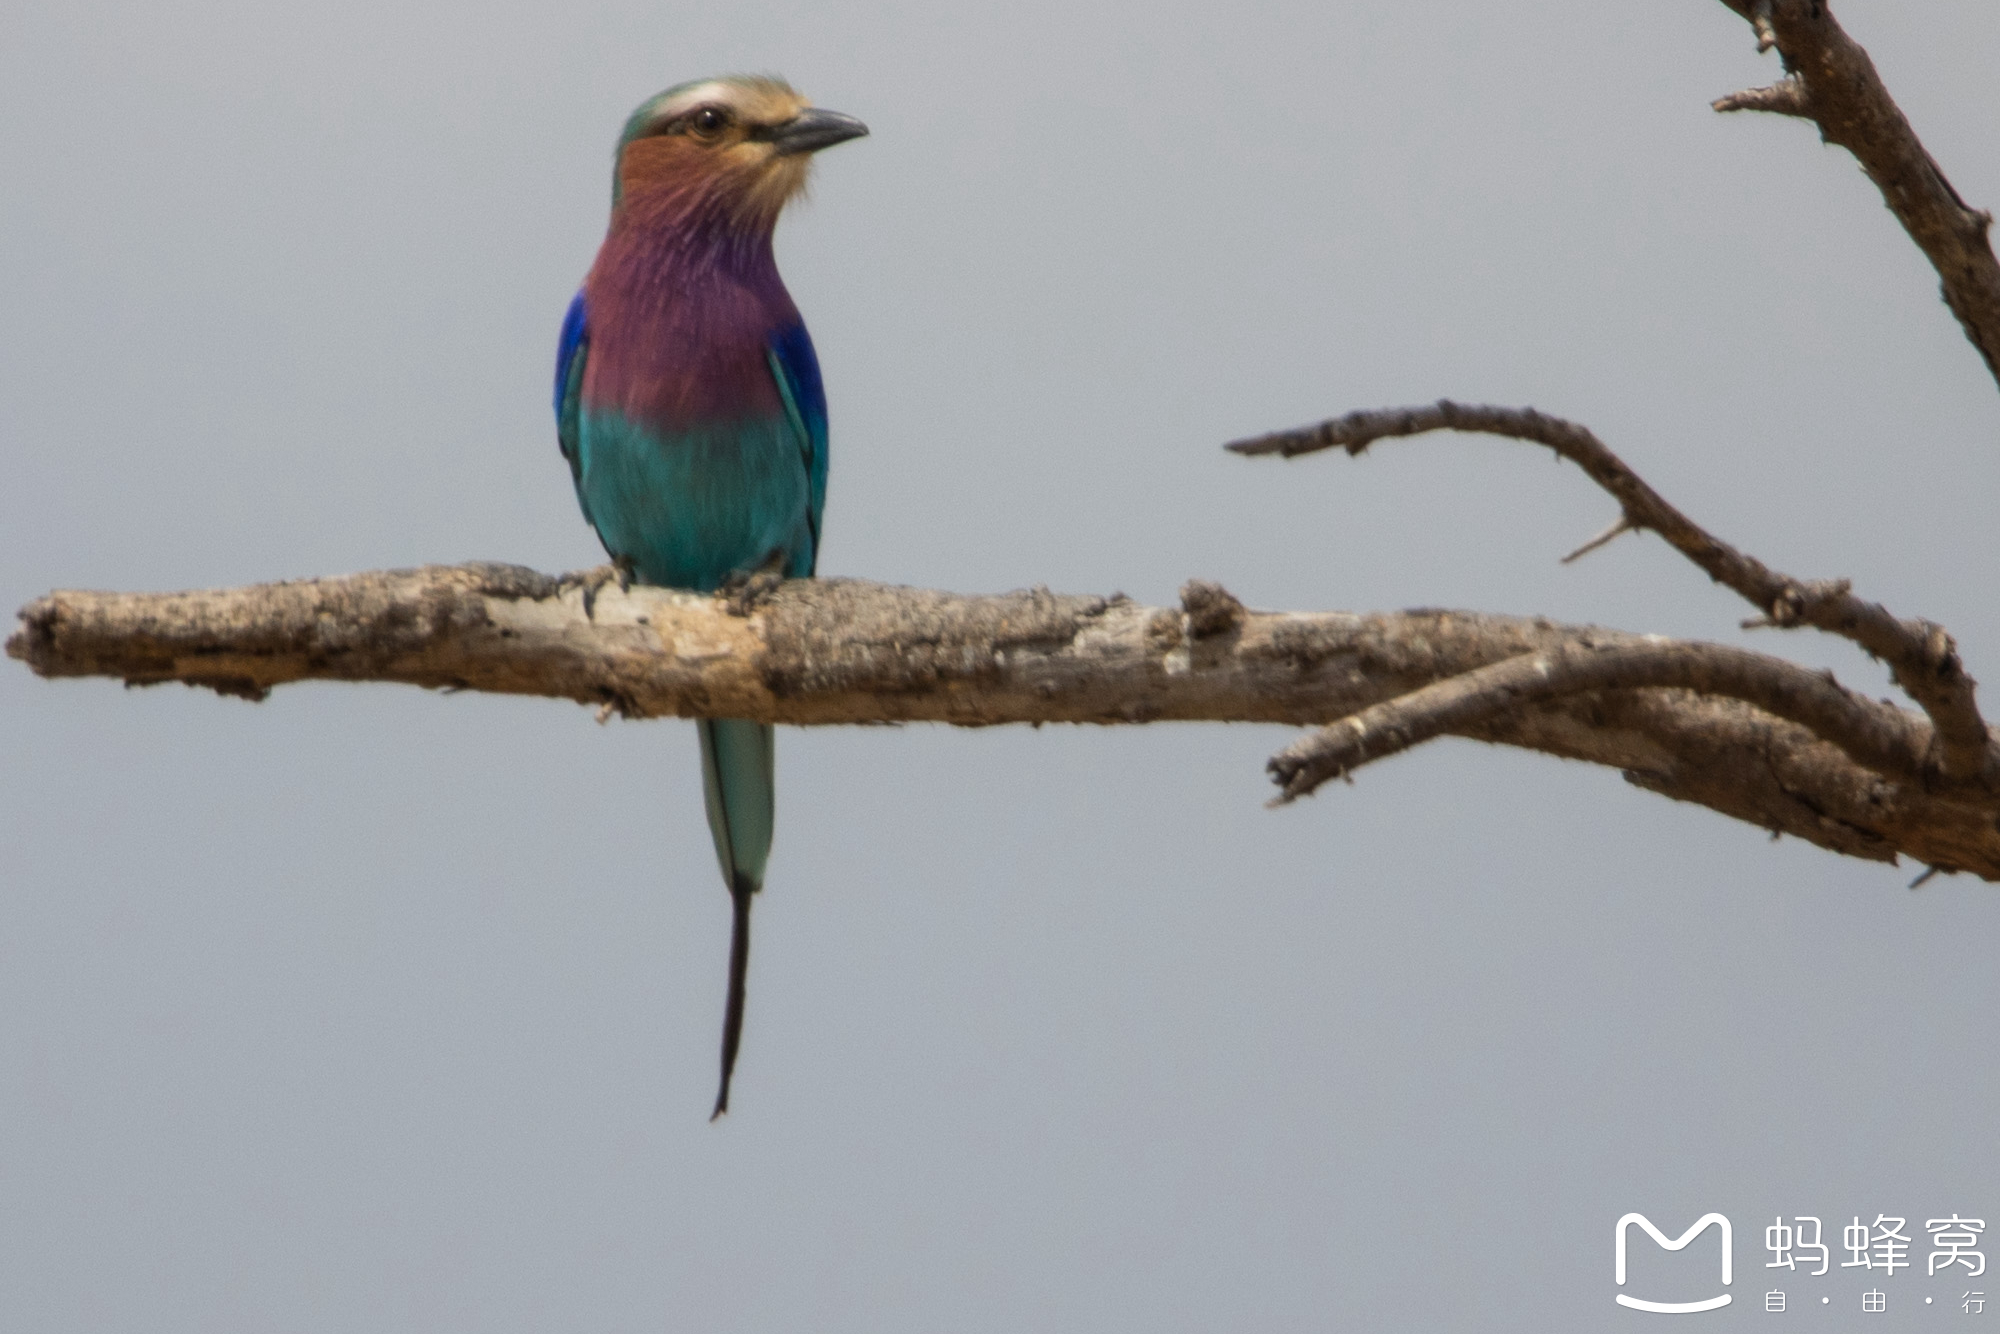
(739, 785)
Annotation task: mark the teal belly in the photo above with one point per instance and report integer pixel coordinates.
(690, 508)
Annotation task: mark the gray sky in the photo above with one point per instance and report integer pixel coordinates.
(371, 1009)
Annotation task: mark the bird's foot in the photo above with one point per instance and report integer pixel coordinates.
(744, 590)
(592, 582)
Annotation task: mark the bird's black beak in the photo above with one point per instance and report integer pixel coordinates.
(814, 129)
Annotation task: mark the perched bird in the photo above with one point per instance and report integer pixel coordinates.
(688, 402)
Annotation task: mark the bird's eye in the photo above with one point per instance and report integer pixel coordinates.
(708, 121)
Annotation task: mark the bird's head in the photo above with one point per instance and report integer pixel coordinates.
(744, 141)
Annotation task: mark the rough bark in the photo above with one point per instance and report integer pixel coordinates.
(841, 651)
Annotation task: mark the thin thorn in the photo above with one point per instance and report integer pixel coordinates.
(1624, 525)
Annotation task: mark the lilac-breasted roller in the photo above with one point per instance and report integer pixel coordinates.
(688, 402)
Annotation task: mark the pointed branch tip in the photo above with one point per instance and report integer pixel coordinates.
(1624, 525)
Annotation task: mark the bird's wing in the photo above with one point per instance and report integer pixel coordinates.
(571, 352)
(796, 368)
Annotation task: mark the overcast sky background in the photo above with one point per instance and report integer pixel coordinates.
(367, 1008)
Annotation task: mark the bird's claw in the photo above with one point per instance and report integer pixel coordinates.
(742, 591)
(592, 581)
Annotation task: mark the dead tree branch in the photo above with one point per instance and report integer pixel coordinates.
(841, 651)
(1921, 657)
(1833, 83)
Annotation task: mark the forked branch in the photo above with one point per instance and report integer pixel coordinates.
(1921, 656)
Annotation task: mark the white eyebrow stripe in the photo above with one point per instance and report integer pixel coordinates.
(715, 90)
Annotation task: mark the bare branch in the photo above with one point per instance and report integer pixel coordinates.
(1921, 656)
(1885, 740)
(1839, 88)
(839, 651)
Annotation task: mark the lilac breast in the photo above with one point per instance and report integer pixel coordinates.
(681, 317)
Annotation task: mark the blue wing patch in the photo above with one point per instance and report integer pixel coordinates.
(571, 350)
(796, 367)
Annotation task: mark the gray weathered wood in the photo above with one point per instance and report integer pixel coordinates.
(815, 652)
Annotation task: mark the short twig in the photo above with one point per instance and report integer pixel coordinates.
(1786, 97)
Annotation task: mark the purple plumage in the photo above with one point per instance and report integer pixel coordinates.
(689, 406)
(684, 300)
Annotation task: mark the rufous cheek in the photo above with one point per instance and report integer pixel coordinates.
(660, 160)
